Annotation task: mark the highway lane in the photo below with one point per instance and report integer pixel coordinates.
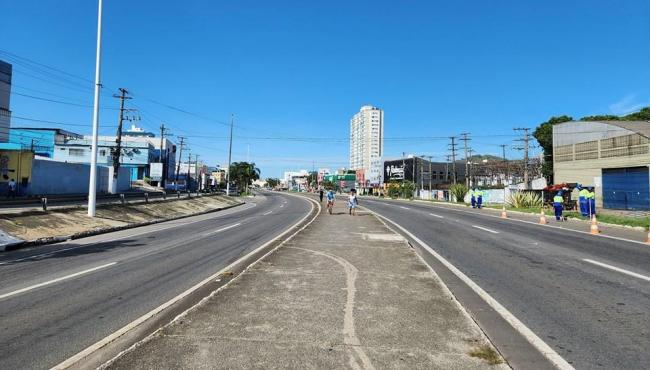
(56, 301)
(592, 315)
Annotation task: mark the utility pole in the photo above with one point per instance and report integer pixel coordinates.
(189, 163)
(526, 140)
(447, 168)
(92, 186)
(505, 162)
(117, 152)
(232, 119)
(430, 176)
(453, 159)
(464, 137)
(196, 172)
(180, 158)
(161, 183)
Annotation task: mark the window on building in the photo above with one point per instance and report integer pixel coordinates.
(102, 152)
(76, 152)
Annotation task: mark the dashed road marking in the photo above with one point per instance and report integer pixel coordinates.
(435, 215)
(618, 269)
(485, 229)
(222, 229)
(49, 282)
(267, 213)
(402, 207)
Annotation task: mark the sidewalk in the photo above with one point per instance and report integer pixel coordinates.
(344, 293)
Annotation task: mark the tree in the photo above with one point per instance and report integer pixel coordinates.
(642, 115)
(329, 185)
(272, 182)
(544, 135)
(458, 191)
(243, 174)
(312, 179)
(601, 117)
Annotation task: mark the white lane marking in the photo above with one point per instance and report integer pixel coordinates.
(125, 329)
(530, 336)
(485, 229)
(435, 215)
(267, 213)
(618, 269)
(222, 229)
(402, 207)
(47, 254)
(49, 282)
(281, 205)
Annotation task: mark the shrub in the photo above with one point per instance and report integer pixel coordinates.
(524, 199)
(458, 191)
(393, 190)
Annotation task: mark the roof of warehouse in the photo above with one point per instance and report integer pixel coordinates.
(640, 127)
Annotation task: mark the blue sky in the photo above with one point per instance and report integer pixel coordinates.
(298, 69)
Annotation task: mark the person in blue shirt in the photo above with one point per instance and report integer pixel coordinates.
(479, 198)
(558, 202)
(330, 201)
(472, 198)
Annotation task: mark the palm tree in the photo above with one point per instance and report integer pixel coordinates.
(243, 174)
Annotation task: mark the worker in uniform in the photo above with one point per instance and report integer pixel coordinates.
(591, 202)
(479, 198)
(472, 198)
(558, 202)
(582, 200)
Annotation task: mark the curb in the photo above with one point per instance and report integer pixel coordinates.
(84, 234)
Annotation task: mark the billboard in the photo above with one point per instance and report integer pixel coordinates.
(156, 171)
(398, 170)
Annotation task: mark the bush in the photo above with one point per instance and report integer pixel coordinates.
(524, 199)
(393, 190)
(408, 190)
(458, 191)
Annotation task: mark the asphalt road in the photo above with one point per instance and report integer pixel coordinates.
(592, 315)
(47, 313)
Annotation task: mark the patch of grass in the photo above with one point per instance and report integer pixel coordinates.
(486, 353)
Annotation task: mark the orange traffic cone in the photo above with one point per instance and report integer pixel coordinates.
(503, 212)
(648, 240)
(594, 226)
(542, 217)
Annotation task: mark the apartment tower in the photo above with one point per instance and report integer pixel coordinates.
(367, 143)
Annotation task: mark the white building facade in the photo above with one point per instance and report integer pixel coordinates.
(367, 143)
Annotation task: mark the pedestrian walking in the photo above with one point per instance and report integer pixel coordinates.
(320, 194)
(583, 194)
(558, 202)
(472, 198)
(353, 202)
(11, 189)
(479, 198)
(330, 201)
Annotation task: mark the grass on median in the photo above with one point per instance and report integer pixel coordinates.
(486, 353)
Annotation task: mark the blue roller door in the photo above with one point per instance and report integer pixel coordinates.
(626, 188)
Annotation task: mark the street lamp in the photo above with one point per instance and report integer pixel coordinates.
(92, 186)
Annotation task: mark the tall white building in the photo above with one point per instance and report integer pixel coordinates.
(367, 142)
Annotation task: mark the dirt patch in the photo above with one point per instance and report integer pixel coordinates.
(35, 225)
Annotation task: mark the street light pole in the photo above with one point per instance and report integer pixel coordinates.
(92, 186)
(232, 118)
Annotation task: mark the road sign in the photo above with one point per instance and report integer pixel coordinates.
(156, 171)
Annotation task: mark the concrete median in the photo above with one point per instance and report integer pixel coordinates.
(346, 292)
